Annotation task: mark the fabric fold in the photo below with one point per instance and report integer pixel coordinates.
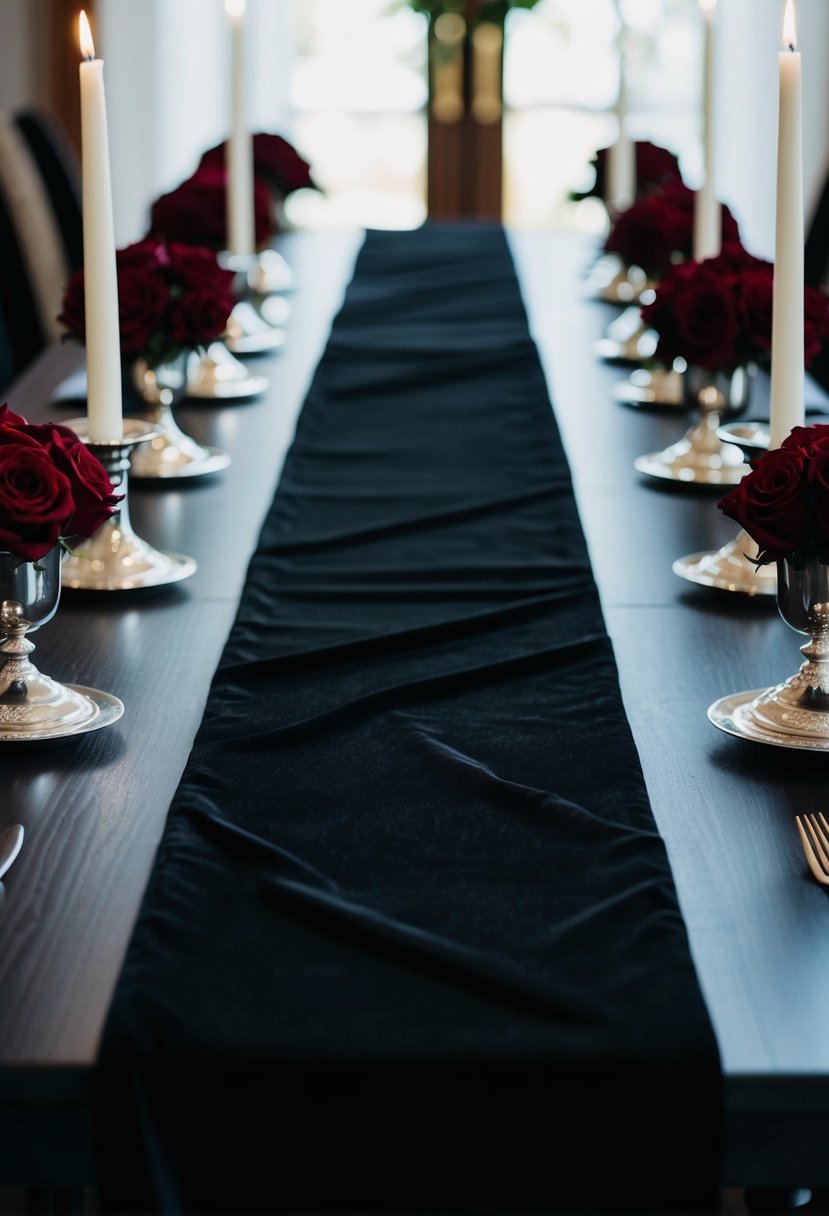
(411, 941)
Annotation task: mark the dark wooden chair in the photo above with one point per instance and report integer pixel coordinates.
(41, 236)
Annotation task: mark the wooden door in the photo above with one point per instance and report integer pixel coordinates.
(464, 170)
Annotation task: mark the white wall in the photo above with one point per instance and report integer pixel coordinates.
(23, 69)
(167, 73)
(749, 38)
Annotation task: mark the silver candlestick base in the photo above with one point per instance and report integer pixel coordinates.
(700, 457)
(33, 706)
(266, 273)
(616, 283)
(729, 569)
(217, 375)
(794, 713)
(627, 339)
(169, 453)
(659, 388)
(114, 558)
(248, 333)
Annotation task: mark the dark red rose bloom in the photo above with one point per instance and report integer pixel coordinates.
(195, 213)
(808, 439)
(648, 235)
(70, 493)
(143, 299)
(280, 163)
(772, 503)
(35, 500)
(658, 230)
(819, 485)
(91, 487)
(199, 317)
(694, 313)
(653, 165)
(815, 323)
(72, 313)
(169, 296)
(275, 160)
(754, 304)
(195, 266)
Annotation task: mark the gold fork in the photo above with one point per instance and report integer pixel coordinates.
(815, 839)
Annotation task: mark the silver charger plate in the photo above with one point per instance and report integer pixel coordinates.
(728, 715)
(213, 461)
(109, 710)
(666, 466)
(711, 568)
(166, 568)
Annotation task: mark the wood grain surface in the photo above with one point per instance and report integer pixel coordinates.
(94, 809)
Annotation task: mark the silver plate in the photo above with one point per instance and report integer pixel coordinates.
(712, 568)
(728, 714)
(165, 568)
(109, 710)
(666, 467)
(213, 460)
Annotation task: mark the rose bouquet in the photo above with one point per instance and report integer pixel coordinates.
(657, 231)
(654, 167)
(195, 213)
(172, 297)
(275, 161)
(783, 502)
(716, 314)
(51, 487)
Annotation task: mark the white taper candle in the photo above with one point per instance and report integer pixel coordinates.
(241, 229)
(787, 359)
(103, 339)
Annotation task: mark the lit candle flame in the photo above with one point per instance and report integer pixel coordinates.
(234, 8)
(789, 27)
(708, 6)
(85, 36)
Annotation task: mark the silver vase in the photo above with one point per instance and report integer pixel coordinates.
(169, 453)
(800, 705)
(33, 705)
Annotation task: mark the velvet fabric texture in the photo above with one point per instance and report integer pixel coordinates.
(411, 941)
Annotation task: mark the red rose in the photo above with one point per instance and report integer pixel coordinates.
(772, 504)
(91, 487)
(195, 266)
(808, 439)
(819, 483)
(72, 313)
(816, 323)
(79, 512)
(659, 229)
(653, 166)
(199, 316)
(143, 298)
(274, 159)
(694, 313)
(35, 498)
(756, 289)
(195, 213)
(648, 235)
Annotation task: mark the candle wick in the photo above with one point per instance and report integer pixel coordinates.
(792, 47)
(89, 58)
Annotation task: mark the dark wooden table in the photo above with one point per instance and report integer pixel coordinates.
(94, 809)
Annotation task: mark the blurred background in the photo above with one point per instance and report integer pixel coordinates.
(364, 90)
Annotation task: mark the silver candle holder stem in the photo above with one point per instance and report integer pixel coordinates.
(115, 558)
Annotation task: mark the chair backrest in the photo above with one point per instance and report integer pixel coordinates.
(816, 270)
(41, 239)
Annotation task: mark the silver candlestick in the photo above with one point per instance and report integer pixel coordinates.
(115, 558)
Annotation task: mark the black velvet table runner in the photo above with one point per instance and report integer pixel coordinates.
(411, 941)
